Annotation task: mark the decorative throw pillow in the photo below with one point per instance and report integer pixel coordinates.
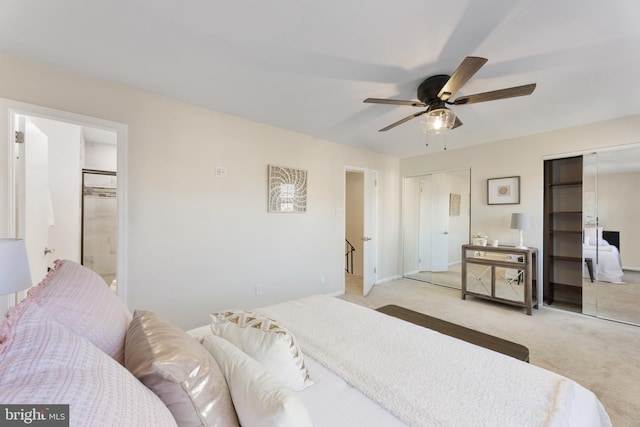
(79, 299)
(179, 370)
(266, 341)
(259, 398)
(42, 362)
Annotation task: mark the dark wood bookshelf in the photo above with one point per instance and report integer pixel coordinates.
(562, 264)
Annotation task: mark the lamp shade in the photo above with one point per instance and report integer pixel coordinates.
(14, 266)
(520, 221)
(438, 121)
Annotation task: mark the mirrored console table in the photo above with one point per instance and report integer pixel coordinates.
(499, 273)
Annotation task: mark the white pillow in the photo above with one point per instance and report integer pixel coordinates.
(266, 341)
(259, 398)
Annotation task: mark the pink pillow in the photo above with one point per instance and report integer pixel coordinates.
(42, 362)
(79, 299)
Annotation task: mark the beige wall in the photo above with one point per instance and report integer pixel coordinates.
(619, 210)
(197, 243)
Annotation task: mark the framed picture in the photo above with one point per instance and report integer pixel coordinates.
(454, 204)
(287, 189)
(503, 191)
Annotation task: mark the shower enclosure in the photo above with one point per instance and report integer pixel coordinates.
(99, 223)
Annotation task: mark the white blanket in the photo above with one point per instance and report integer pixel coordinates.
(429, 379)
(606, 263)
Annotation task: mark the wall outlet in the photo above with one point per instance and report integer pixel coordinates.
(322, 278)
(258, 288)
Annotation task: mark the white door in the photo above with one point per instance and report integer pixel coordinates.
(424, 226)
(370, 226)
(34, 200)
(440, 227)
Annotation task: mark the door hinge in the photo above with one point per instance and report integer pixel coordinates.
(375, 270)
(19, 137)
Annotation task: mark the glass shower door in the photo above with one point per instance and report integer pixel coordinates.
(99, 223)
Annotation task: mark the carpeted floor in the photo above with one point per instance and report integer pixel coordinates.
(602, 355)
(619, 301)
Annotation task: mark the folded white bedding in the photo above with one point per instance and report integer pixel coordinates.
(430, 379)
(331, 402)
(606, 263)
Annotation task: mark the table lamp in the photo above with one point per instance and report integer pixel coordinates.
(520, 221)
(14, 267)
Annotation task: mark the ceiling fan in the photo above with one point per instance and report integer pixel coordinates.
(434, 94)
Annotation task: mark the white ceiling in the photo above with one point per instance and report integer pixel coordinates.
(307, 65)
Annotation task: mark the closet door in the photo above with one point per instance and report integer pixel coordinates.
(611, 240)
(590, 222)
(435, 222)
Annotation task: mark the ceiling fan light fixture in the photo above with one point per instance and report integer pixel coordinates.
(438, 121)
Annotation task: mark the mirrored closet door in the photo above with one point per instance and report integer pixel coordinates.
(611, 236)
(435, 222)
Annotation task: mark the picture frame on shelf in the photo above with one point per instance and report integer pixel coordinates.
(503, 191)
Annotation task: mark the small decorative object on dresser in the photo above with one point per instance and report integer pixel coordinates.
(479, 239)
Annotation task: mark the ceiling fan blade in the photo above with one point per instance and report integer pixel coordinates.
(469, 66)
(496, 94)
(399, 122)
(394, 102)
(457, 123)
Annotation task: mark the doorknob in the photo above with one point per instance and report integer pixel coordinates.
(446, 232)
(48, 251)
(366, 239)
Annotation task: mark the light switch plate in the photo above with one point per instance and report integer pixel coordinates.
(221, 172)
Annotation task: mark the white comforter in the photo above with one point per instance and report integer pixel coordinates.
(608, 267)
(429, 379)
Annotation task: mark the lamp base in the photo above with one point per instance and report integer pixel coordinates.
(521, 245)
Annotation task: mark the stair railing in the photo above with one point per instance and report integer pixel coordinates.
(350, 249)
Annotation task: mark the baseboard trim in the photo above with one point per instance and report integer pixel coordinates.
(388, 279)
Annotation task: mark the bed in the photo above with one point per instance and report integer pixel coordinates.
(315, 361)
(601, 252)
